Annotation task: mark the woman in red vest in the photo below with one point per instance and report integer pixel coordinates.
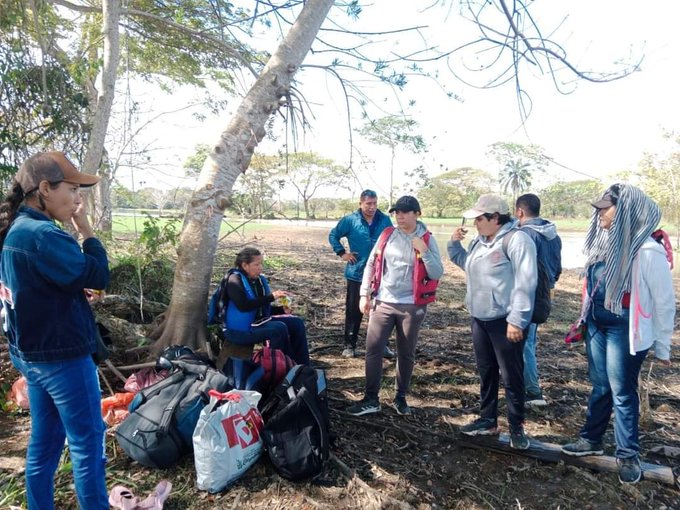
(400, 278)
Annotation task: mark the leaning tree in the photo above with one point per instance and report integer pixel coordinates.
(229, 157)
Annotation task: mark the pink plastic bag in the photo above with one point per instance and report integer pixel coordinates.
(145, 377)
(19, 393)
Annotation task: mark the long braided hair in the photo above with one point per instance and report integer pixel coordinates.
(8, 210)
(637, 216)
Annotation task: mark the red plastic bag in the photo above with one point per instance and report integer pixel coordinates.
(19, 393)
(115, 408)
(576, 333)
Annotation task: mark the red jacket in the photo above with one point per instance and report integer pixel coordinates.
(424, 288)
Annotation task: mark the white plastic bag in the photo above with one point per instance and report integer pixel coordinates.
(227, 438)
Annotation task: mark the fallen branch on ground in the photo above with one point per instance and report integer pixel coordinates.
(131, 367)
(352, 477)
(549, 452)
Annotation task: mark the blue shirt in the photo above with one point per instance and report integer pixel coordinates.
(44, 271)
(361, 238)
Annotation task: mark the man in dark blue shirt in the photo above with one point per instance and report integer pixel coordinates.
(548, 253)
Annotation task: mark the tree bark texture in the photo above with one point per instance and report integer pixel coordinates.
(103, 211)
(102, 111)
(230, 156)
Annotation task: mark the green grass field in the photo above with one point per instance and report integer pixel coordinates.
(131, 225)
(127, 225)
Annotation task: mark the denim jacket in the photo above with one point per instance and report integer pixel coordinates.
(43, 272)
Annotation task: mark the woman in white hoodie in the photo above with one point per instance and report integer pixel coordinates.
(400, 278)
(629, 308)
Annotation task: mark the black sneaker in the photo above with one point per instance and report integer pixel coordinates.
(388, 353)
(583, 447)
(629, 470)
(364, 406)
(401, 406)
(480, 427)
(518, 439)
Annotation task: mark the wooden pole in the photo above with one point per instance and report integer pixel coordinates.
(549, 452)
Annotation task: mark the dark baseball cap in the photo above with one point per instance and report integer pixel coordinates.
(405, 204)
(610, 198)
(53, 167)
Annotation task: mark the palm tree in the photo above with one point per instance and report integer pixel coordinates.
(516, 175)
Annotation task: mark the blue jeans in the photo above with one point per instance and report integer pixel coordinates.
(284, 332)
(614, 374)
(65, 402)
(531, 386)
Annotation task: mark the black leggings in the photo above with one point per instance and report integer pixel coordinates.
(353, 315)
(498, 357)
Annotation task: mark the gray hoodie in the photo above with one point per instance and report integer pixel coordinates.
(396, 285)
(499, 286)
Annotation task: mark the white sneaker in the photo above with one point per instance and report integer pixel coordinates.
(536, 402)
(349, 352)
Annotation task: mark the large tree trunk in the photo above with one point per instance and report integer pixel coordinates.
(185, 321)
(103, 208)
(102, 110)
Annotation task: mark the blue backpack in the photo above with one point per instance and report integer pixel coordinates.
(217, 307)
(244, 374)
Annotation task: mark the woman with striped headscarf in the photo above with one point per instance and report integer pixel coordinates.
(629, 307)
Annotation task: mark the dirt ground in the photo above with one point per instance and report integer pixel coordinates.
(388, 461)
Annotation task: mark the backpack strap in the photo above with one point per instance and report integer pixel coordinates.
(293, 373)
(154, 389)
(169, 410)
(320, 381)
(506, 241)
(311, 403)
(661, 237)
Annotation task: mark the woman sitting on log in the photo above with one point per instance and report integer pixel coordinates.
(250, 316)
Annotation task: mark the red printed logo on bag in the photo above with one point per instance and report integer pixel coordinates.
(243, 429)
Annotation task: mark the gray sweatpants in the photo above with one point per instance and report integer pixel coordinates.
(383, 319)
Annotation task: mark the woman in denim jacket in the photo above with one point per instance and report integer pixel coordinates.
(629, 305)
(50, 326)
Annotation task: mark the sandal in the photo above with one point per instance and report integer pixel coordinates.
(155, 500)
(121, 497)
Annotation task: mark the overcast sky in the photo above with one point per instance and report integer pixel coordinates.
(596, 130)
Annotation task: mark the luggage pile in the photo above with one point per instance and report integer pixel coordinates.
(229, 419)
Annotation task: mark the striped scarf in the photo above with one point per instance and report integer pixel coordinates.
(637, 216)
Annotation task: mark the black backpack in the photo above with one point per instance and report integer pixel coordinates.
(159, 429)
(296, 430)
(542, 301)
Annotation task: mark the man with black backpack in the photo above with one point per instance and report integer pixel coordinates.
(548, 254)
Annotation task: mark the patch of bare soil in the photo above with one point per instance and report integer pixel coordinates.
(388, 461)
